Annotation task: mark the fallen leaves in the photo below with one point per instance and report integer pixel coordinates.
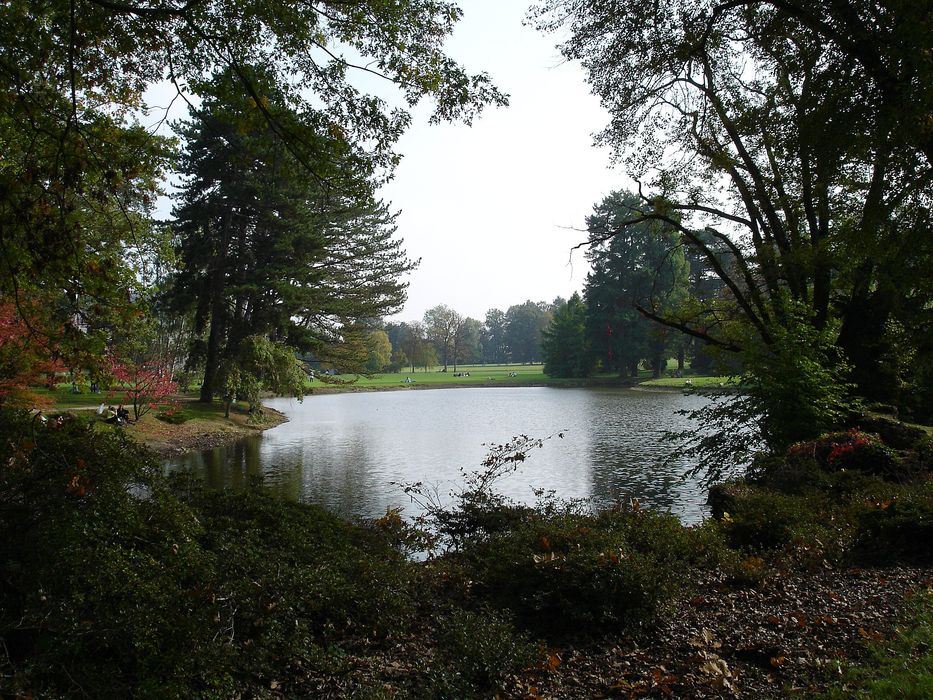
(796, 630)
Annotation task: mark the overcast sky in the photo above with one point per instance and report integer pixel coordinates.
(487, 208)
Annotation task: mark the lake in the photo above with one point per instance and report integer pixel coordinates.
(347, 451)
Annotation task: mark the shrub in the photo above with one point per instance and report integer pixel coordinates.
(852, 450)
(476, 651)
(175, 416)
(764, 520)
(97, 552)
(581, 571)
(899, 530)
(117, 582)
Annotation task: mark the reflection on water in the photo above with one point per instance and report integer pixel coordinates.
(344, 451)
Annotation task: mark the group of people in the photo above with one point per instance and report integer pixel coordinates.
(120, 416)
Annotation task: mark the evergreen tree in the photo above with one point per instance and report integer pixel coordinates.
(564, 344)
(265, 249)
(639, 271)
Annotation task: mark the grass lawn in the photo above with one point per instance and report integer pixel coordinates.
(695, 382)
(501, 375)
(479, 375)
(62, 398)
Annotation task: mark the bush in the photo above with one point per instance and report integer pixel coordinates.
(96, 551)
(476, 651)
(892, 531)
(852, 450)
(117, 583)
(572, 571)
(764, 520)
(174, 416)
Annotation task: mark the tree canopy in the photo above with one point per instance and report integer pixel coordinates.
(266, 249)
(564, 344)
(797, 137)
(80, 174)
(638, 271)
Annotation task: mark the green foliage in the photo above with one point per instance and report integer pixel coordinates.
(262, 365)
(476, 650)
(845, 497)
(264, 247)
(792, 390)
(635, 267)
(564, 344)
(730, 116)
(524, 324)
(85, 518)
(798, 385)
(118, 583)
(379, 349)
(898, 668)
(80, 175)
(577, 571)
(558, 567)
(767, 520)
(852, 450)
(899, 530)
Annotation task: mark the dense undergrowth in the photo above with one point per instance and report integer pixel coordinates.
(118, 582)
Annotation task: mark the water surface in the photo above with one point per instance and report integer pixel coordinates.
(345, 451)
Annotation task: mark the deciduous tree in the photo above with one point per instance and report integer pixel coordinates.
(794, 134)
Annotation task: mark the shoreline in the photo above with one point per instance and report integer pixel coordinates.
(200, 434)
(487, 384)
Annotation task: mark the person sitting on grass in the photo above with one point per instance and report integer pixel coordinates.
(121, 417)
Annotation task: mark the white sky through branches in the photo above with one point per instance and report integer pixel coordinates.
(487, 208)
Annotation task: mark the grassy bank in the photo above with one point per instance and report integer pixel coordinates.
(501, 375)
(178, 425)
(117, 582)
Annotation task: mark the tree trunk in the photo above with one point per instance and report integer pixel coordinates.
(864, 344)
(218, 314)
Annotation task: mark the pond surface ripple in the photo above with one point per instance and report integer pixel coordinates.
(347, 451)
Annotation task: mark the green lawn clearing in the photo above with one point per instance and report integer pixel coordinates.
(465, 375)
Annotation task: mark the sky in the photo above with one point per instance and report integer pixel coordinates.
(489, 208)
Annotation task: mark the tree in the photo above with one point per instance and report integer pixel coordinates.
(495, 350)
(443, 326)
(469, 348)
(413, 339)
(641, 267)
(426, 358)
(790, 133)
(80, 176)
(524, 323)
(24, 361)
(144, 384)
(261, 365)
(266, 250)
(564, 343)
(380, 350)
